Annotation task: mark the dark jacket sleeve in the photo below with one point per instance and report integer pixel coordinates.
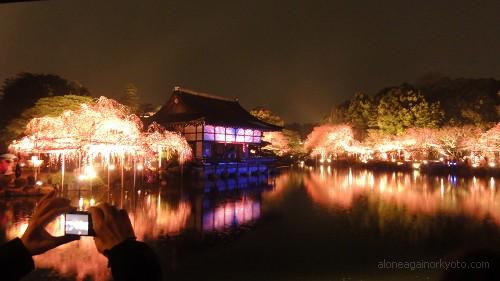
(133, 260)
(15, 260)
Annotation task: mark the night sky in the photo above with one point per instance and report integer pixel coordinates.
(296, 57)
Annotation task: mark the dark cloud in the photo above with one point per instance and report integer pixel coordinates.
(297, 57)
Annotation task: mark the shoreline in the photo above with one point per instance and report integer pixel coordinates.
(431, 168)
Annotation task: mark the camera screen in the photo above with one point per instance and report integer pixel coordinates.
(77, 224)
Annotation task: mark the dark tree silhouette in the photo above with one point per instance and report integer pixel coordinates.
(24, 90)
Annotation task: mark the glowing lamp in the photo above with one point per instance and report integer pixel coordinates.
(111, 167)
(416, 165)
(36, 162)
(140, 167)
(491, 164)
(39, 183)
(89, 172)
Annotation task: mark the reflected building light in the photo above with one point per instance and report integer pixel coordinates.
(442, 190)
(80, 203)
(416, 174)
(230, 214)
(350, 177)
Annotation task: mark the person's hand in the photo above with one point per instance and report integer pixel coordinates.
(36, 239)
(111, 226)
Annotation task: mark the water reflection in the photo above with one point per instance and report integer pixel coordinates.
(153, 215)
(411, 192)
(364, 197)
(229, 214)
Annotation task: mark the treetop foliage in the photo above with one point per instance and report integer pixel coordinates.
(267, 116)
(434, 101)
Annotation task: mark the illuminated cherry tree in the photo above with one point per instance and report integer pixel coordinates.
(329, 140)
(455, 142)
(158, 140)
(278, 143)
(104, 130)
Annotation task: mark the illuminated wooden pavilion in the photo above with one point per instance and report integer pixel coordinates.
(218, 129)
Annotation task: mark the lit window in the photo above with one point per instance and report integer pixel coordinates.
(209, 136)
(220, 137)
(209, 129)
(230, 138)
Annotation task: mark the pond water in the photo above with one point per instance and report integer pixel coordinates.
(305, 224)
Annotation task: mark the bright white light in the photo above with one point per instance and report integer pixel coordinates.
(140, 167)
(89, 172)
(111, 167)
(39, 183)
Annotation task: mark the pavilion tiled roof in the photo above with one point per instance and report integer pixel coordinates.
(187, 106)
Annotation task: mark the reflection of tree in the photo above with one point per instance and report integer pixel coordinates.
(404, 205)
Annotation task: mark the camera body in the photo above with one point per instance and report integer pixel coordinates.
(78, 223)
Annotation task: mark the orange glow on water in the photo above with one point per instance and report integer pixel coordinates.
(416, 194)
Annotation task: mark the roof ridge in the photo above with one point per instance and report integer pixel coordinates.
(200, 94)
